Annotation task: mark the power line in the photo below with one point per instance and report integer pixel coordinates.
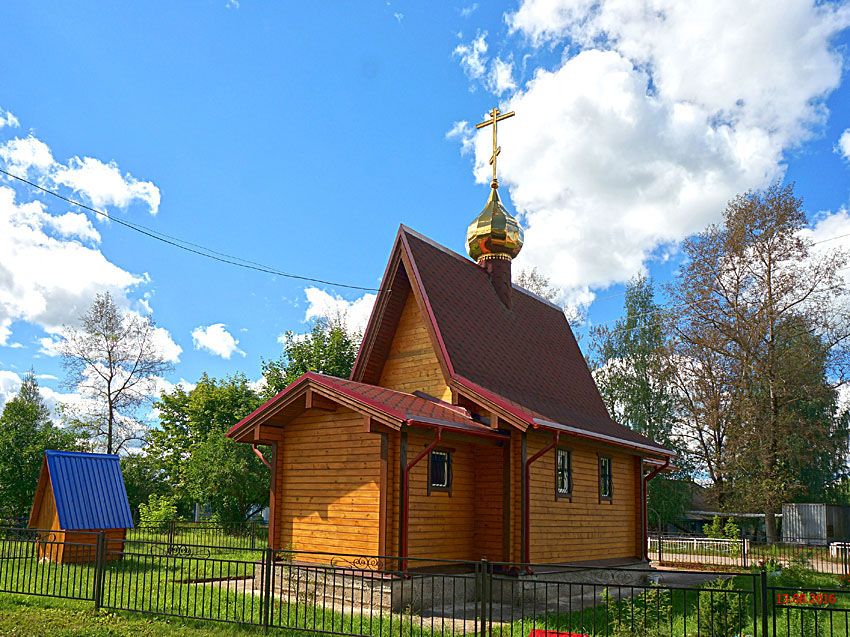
(188, 246)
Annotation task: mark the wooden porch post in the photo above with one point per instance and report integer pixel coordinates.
(402, 463)
(274, 539)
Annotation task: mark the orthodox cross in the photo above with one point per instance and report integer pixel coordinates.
(496, 116)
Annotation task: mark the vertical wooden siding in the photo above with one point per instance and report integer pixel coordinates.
(412, 363)
(583, 528)
(329, 484)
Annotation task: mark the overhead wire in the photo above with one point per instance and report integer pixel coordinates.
(189, 246)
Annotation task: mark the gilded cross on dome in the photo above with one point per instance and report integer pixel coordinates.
(496, 116)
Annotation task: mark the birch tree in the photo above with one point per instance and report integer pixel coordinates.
(113, 362)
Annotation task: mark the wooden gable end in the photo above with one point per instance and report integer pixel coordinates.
(44, 514)
(411, 363)
(399, 348)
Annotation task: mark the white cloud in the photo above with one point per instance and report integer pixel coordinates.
(355, 314)
(844, 144)
(15, 345)
(7, 119)
(10, 385)
(465, 134)
(49, 345)
(501, 78)
(104, 185)
(468, 11)
(51, 266)
(21, 154)
(215, 339)
(258, 385)
(48, 275)
(473, 56)
(664, 113)
(5, 331)
(165, 345)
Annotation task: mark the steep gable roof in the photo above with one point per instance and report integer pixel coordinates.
(88, 489)
(524, 359)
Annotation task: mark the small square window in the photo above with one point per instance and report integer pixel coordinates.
(563, 472)
(605, 485)
(440, 471)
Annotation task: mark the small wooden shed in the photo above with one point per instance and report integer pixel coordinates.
(78, 495)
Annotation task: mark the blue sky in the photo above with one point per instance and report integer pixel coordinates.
(301, 135)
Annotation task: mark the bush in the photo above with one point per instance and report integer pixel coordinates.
(731, 531)
(722, 610)
(157, 513)
(720, 530)
(647, 613)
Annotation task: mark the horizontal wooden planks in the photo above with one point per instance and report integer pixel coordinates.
(581, 527)
(328, 481)
(412, 364)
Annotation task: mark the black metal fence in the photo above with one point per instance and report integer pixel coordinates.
(689, 551)
(367, 596)
(237, 535)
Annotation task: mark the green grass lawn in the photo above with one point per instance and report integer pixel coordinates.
(35, 617)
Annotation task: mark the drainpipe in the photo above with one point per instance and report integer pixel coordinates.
(405, 486)
(649, 476)
(260, 455)
(526, 521)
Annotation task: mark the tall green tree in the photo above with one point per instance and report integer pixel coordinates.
(26, 430)
(757, 296)
(196, 460)
(634, 371)
(328, 348)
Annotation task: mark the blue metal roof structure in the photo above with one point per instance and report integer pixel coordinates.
(89, 490)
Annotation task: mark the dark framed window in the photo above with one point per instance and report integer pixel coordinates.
(606, 487)
(563, 472)
(440, 470)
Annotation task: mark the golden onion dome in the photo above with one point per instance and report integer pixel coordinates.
(494, 232)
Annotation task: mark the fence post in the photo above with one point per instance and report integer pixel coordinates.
(660, 552)
(763, 591)
(99, 561)
(268, 587)
(171, 532)
(484, 593)
(743, 548)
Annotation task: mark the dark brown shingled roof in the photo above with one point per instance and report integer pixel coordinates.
(526, 354)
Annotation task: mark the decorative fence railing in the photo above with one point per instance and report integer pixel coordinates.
(367, 596)
(730, 554)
